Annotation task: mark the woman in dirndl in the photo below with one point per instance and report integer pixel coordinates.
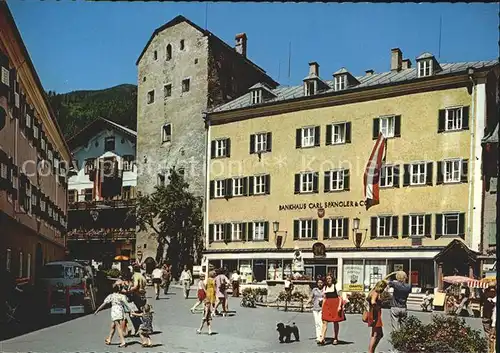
(332, 310)
(375, 315)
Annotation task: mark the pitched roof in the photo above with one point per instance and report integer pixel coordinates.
(285, 93)
(180, 19)
(457, 245)
(95, 127)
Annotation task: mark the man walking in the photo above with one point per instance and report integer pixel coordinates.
(138, 293)
(235, 279)
(402, 290)
(167, 277)
(157, 278)
(186, 280)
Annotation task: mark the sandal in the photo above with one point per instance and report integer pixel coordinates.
(335, 342)
(123, 345)
(107, 342)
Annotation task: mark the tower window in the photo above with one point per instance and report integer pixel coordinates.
(185, 85)
(151, 97)
(182, 44)
(155, 55)
(169, 52)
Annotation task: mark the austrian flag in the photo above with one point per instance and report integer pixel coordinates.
(373, 169)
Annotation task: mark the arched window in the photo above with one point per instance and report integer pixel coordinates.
(169, 52)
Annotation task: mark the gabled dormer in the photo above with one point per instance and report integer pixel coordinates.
(313, 84)
(343, 79)
(260, 92)
(427, 65)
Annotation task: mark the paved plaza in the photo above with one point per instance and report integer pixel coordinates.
(245, 330)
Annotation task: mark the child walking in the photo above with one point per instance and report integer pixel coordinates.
(118, 302)
(201, 292)
(146, 327)
(207, 317)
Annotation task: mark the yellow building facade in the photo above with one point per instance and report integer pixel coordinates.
(286, 166)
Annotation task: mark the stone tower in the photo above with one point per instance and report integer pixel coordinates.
(184, 71)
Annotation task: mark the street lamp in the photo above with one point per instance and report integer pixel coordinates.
(279, 239)
(358, 236)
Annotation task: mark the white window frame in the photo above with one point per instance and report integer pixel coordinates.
(35, 131)
(256, 96)
(445, 225)
(259, 184)
(305, 229)
(415, 171)
(28, 266)
(236, 231)
(306, 182)
(28, 120)
(387, 228)
(340, 82)
(220, 188)
(453, 117)
(388, 128)
(416, 221)
(3, 170)
(337, 183)
(220, 148)
(455, 174)
(21, 259)
(310, 87)
(164, 136)
(219, 232)
(307, 136)
(5, 76)
(258, 231)
(8, 260)
(17, 102)
(150, 97)
(387, 176)
(338, 133)
(261, 142)
(336, 228)
(238, 187)
(425, 68)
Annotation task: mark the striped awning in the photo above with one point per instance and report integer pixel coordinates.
(476, 283)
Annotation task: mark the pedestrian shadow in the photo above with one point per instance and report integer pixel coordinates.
(206, 333)
(329, 340)
(133, 343)
(155, 333)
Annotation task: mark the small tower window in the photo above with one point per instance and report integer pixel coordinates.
(167, 90)
(151, 97)
(185, 85)
(155, 55)
(425, 68)
(169, 52)
(182, 44)
(166, 133)
(257, 96)
(340, 82)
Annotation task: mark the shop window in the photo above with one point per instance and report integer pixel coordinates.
(352, 275)
(245, 268)
(275, 270)
(287, 268)
(375, 270)
(259, 270)
(109, 143)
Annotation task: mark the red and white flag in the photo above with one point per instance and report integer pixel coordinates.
(371, 177)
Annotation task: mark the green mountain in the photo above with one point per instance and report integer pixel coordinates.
(75, 110)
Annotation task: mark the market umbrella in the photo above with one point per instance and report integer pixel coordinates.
(456, 279)
(121, 258)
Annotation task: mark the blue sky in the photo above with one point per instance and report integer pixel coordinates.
(94, 45)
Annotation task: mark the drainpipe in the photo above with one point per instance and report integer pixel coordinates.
(207, 187)
(472, 123)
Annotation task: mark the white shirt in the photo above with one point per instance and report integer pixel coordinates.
(235, 277)
(185, 276)
(157, 273)
(287, 283)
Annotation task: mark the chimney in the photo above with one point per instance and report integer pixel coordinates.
(396, 59)
(369, 72)
(241, 44)
(406, 64)
(314, 68)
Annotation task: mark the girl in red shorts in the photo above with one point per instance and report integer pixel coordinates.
(201, 292)
(375, 315)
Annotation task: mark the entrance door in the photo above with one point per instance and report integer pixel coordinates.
(259, 270)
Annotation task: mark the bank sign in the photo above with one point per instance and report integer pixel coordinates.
(321, 205)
